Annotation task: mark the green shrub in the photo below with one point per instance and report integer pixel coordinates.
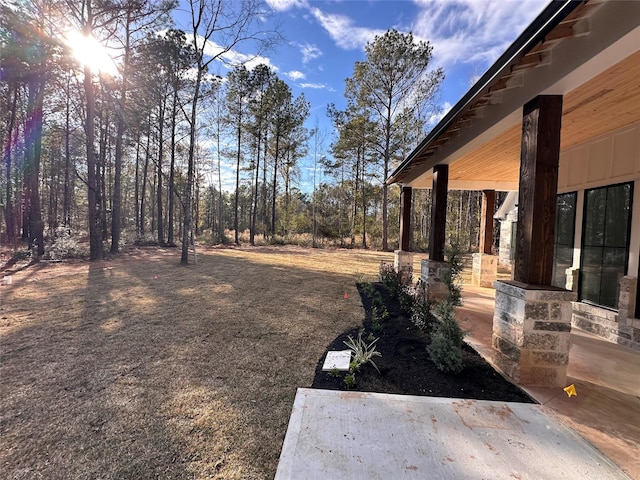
(421, 315)
(447, 337)
(390, 278)
(446, 356)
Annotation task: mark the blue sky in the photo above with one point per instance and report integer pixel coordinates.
(324, 38)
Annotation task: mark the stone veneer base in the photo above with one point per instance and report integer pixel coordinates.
(485, 270)
(432, 273)
(531, 333)
(403, 264)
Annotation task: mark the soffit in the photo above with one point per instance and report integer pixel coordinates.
(605, 103)
(483, 139)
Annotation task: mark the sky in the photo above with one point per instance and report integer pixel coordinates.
(322, 40)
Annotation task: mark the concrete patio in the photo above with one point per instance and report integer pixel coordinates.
(594, 435)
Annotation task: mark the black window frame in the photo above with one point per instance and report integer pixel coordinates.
(571, 242)
(583, 246)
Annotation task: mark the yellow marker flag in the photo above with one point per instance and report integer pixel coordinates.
(571, 390)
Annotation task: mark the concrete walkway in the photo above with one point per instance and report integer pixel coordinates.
(606, 411)
(338, 435)
(352, 436)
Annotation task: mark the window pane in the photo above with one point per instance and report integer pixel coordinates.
(617, 219)
(563, 260)
(613, 260)
(590, 286)
(565, 218)
(595, 210)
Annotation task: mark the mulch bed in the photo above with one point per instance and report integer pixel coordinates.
(405, 366)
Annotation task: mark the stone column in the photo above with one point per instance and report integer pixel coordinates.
(485, 270)
(629, 327)
(531, 333)
(431, 273)
(403, 264)
(485, 265)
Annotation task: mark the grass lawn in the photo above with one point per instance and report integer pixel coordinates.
(139, 368)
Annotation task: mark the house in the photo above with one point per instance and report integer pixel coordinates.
(557, 120)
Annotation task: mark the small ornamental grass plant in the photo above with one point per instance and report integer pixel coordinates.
(362, 352)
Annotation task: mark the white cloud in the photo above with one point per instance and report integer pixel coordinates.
(309, 52)
(284, 5)
(436, 117)
(342, 30)
(232, 57)
(472, 31)
(295, 75)
(317, 86)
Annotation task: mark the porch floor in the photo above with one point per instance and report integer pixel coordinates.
(606, 411)
(364, 435)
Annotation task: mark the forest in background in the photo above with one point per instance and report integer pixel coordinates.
(135, 154)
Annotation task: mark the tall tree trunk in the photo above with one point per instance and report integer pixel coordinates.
(160, 225)
(96, 251)
(137, 183)
(264, 187)
(10, 214)
(220, 199)
(143, 194)
(171, 208)
(385, 174)
(66, 203)
(184, 259)
(252, 228)
(33, 152)
(355, 200)
(364, 200)
(274, 191)
(116, 201)
(239, 139)
(102, 168)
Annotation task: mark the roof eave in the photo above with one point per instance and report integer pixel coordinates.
(550, 17)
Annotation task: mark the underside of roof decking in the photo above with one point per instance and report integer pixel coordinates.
(595, 71)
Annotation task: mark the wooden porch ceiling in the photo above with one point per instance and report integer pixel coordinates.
(608, 101)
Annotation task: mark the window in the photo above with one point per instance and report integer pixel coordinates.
(564, 236)
(605, 243)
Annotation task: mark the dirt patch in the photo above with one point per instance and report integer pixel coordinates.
(405, 366)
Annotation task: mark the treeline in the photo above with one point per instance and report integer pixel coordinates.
(140, 151)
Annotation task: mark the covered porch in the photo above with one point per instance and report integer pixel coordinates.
(606, 410)
(557, 120)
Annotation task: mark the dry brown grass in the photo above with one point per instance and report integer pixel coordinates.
(139, 368)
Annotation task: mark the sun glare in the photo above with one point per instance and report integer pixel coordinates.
(88, 51)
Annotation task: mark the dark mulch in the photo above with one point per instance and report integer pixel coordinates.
(405, 366)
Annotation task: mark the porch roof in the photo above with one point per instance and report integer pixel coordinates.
(586, 51)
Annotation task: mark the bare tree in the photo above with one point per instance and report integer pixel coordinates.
(217, 27)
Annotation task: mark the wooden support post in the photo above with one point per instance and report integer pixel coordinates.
(405, 218)
(486, 221)
(539, 157)
(438, 212)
